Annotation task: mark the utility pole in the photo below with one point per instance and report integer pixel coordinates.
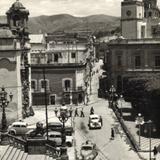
(45, 97)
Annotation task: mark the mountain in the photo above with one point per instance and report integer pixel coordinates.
(66, 22)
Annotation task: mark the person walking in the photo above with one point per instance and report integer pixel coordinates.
(91, 110)
(76, 113)
(70, 111)
(112, 133)
(56, 111)
(82, 113)
(155, 152)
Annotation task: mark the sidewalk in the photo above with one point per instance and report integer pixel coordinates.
(129, 121)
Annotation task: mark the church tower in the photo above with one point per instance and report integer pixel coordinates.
(14, 63)
(132, 14)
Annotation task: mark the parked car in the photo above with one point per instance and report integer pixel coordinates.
(88, 151)
(54, 126)
(18, 128)
(95, 121)
(55, 137)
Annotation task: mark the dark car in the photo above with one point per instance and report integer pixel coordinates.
(54, 126)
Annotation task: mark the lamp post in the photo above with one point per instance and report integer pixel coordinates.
(139, 121)
(149, 130)
(121, 99)
(63, 117)
(112, 90)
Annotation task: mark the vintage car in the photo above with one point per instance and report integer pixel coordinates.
(95, 121)
(54, 126)
(88, 151)
(18, 128)
(55, 137)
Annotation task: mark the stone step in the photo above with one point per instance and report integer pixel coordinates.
(20, 155)
(3, 150)
(25, 155)
(16, 154)
(7, 153)
(11, 155)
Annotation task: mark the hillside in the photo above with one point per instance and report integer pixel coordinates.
(65, 22)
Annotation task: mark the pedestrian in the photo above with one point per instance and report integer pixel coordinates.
(76, 113)
(70, 111)
(112, 133)
(56, 111)
(155, 152)
(82, 113)
(91, 110)
(101, 120)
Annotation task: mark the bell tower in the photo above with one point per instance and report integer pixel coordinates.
(132, 14)
(17, 18)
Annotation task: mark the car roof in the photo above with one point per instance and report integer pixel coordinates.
(94, 116)
(19, 123)
(55, 123)
(54, 132)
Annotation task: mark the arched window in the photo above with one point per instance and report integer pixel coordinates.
(67, 84)
(42, 84)
(55, 57)
(34, 84)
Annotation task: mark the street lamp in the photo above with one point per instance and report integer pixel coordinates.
(149, 129)
(112, 90)
(139, 121)
(121, 99)
(63, 117)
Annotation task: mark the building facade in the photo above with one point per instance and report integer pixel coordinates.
(14, 64)
(66, 63)
(140, 19)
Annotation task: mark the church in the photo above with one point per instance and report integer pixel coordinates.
(133, 59)
(14, 62)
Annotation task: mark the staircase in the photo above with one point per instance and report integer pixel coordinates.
(13, 153)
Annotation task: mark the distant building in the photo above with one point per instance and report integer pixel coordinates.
(140, 19)
(136, 53)
(14, 64)
(67, 61)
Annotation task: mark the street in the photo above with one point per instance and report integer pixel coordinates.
(116, 149)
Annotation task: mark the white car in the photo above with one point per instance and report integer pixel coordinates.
(18, 128)
(88, 151)
(55, 137)
(95, 121)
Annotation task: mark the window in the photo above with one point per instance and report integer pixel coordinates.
(157, 61)
(119, 60)
(55, 57)
(137, 61)
(73, 54)
(49, 58)
(43, 83)
(142, 31)
(67, 85)
(33, 84)
(150, 14)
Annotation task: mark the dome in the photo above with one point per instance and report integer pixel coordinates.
(17, 5)
(5, 33)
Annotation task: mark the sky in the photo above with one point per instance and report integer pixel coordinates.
(78, 8)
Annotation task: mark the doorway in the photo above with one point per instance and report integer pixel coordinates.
(53, 99)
